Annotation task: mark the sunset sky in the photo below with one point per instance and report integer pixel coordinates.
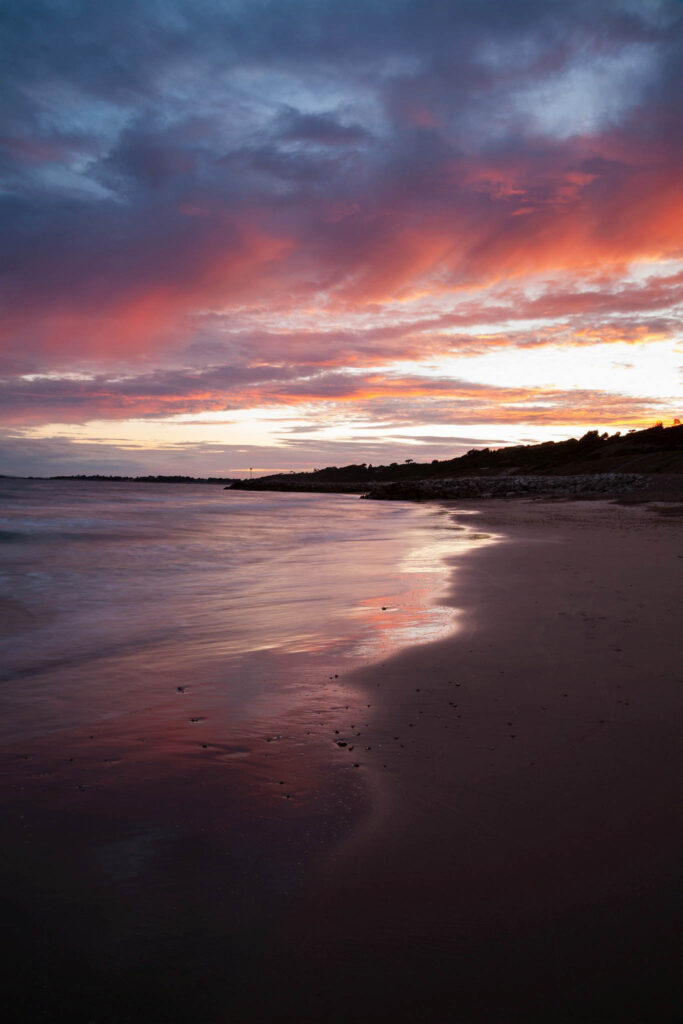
(300, 233)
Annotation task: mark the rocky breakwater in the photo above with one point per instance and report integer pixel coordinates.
(584, 485)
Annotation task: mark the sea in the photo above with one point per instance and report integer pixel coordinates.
(116, 594)
(181, 737)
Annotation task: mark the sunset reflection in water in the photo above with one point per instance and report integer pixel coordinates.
(126, 597)
(185, 627)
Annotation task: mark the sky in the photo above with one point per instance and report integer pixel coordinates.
(286, 234)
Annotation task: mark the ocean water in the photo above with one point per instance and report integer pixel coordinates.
(116, 594)
(178, 668)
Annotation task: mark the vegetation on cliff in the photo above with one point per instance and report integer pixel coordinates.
(657, 449)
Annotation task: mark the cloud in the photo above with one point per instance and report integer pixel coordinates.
(323, 186)
(321, 130)
(368, 396)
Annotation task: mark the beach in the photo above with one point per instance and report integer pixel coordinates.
(482, 827)
(522, 856)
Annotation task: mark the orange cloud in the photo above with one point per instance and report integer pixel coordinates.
(404, 399)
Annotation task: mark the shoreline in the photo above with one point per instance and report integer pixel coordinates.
(523, 851)
(613, 486)
(506, 849)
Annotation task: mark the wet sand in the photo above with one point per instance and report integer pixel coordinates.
(522, 857)
(507, 847)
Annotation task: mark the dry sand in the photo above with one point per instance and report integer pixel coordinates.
(522, 857)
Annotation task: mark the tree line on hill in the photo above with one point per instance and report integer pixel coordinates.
(656, 449)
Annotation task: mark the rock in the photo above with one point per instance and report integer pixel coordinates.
(511, 486)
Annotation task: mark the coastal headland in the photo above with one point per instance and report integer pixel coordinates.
(645, 463)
